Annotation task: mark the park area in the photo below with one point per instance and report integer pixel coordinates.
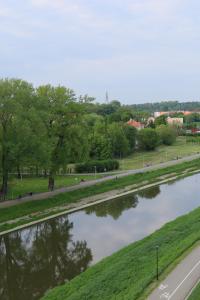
(163, 153)
(19, 187)
(36, 184)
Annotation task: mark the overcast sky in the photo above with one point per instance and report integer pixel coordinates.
(137, 50)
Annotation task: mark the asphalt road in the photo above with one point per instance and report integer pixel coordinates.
(180, 282)
(46, 195)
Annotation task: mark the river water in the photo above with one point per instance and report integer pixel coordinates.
(40, 257)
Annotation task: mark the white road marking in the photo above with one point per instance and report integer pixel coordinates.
(165, 295)
(163, 286)
(195, 266)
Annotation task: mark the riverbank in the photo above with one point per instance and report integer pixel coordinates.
(12, 218)
(131, 272)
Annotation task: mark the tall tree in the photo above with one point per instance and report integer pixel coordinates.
(64, 123)
(119, 142)
(16, 98)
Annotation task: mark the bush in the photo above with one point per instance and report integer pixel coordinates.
(99, 165)
(166, 134)
(148, 139)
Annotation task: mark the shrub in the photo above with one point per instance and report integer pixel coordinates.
(99, 165)
(166, 134)
(148, 139)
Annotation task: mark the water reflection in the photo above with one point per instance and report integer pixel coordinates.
(113, 208)
(39, 258)
(150, 193)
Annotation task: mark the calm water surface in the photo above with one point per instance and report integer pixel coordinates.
(40, 257)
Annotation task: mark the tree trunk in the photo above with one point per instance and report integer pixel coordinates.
(51, 181)
(36, 171)
(18, 172)
(4, 187)
(45, 172)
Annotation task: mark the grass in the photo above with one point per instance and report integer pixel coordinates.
(127, 274)
(40, 184)
(162, 154)
(32, 208)
(195, 294)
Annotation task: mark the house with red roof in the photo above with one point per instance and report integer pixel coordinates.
(135, 124)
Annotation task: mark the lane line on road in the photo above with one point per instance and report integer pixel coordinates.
(195, 266)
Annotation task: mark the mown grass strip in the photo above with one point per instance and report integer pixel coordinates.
(12, 213)
(129, 272)
(195, 294)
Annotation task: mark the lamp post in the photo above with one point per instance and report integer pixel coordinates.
(157, 247)
(95, 171)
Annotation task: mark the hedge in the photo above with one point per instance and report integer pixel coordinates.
(97, 165)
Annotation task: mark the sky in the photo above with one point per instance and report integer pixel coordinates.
(136, 50)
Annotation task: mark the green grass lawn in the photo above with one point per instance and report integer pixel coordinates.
(40, 184)
(161, 154)
(127, 274)
(195, 294)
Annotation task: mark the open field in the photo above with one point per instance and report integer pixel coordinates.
(36, 210)
(163, 153)
(40, 184)
(128, 273)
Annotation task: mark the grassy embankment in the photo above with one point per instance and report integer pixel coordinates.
(131, 272)
(34, 210)
(162, 154)
(28, 184)
(195, 294)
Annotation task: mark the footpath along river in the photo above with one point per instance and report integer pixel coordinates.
(40, 257)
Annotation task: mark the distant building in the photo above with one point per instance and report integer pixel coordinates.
(150, 120)
(175, 121)
(160, 113)
(167, 113)
(135, 124)
(186, 113)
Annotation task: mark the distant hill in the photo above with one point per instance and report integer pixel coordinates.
(167, 106)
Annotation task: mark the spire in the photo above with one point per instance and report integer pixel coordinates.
(107, 99)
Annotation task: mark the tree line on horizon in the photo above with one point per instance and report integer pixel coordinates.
(166, 106)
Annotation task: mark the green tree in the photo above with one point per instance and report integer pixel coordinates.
(16, 124)
(131, 135)
(119, 142)
(100, 146)
(167, 134)
(148, 139)
(63, 118)
(194, 117)
(162, 120)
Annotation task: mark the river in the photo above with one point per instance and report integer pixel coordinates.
(38, 258)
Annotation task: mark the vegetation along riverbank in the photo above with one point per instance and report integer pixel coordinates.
(131, 272)
(24, 214)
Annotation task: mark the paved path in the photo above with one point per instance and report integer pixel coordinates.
(46, 195)
(179, 283)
